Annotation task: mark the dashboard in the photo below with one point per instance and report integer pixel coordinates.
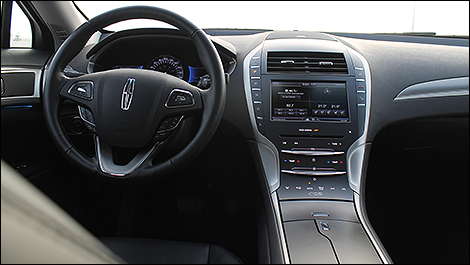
(310, 106)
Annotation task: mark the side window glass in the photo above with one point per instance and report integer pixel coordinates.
(21, 35)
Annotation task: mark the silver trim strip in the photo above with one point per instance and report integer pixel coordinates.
(267, 151)
(37, 79)
(451, 87)
(313, 173)
(313, 153)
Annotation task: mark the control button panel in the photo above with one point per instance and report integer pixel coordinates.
(87, 116)
(167, 126)
(361, 93)
(256, 91)
(314, 187)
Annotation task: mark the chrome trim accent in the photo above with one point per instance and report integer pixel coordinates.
(451, 87)
(326, 63)
(105, 160)
(37, 81)
(313, 172)
(267, 150)
(182, 91)
(287, 61)
(313, 153)
(355, 162)
(127, 94)
(318, 215)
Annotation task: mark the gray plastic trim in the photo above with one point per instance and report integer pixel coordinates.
(451, 87)
(358, 202)
(355, 157)
(268, 153)
(37, 79)
(280, 228)
(355, 153)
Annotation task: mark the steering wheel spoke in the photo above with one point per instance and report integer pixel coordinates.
(106, 159)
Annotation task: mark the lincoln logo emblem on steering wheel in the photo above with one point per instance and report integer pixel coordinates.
(127, 94)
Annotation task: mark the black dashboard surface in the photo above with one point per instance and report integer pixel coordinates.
(395, 65)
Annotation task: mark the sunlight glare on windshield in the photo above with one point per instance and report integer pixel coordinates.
(441, 17)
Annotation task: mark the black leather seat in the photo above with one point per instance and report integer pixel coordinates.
(35, 230)
(154, 251)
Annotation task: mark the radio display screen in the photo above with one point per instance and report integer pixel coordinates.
(309, 101)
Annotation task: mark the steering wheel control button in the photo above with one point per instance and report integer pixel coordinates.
(169, 124)
(180, 98)
(77, 125)
(87, 117)
(82, 90)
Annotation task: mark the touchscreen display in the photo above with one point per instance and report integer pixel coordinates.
(316, 101)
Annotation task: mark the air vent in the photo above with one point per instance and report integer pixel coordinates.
(60, 32)
(307, 62)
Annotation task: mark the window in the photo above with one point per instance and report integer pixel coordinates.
(21, 35)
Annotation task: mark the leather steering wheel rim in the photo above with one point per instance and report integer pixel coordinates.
(213, 99)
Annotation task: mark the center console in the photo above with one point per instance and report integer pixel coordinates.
(308, 101)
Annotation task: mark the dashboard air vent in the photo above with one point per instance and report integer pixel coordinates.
(307, 62)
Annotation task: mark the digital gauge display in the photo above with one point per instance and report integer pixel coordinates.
(167, 64)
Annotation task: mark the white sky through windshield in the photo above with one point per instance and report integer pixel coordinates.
(441, 17)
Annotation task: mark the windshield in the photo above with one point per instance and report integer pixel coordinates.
(444, 18)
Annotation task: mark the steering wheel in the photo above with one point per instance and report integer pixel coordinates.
(133, 108)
